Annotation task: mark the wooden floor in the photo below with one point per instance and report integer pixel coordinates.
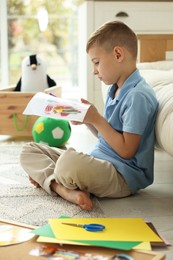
(154, 204)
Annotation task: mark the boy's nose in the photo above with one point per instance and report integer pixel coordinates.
(95, 71)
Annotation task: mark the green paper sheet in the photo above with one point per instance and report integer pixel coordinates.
(122, 245)
(44, 231)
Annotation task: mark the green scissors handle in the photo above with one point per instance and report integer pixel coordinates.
(88, 227)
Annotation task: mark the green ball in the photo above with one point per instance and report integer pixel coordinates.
(53, 132)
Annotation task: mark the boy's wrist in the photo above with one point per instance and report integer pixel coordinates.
(98, 121)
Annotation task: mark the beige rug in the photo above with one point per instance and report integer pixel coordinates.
(21, 202)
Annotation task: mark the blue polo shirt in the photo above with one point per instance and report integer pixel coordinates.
(134, 111)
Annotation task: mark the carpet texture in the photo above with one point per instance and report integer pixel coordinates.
(22, 202)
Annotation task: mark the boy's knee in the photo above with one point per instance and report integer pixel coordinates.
(66, 163)
(25, 153)
(67, 168)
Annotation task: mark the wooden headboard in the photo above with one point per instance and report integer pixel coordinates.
(153, 47)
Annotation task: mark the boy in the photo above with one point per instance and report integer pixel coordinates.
(121, 163)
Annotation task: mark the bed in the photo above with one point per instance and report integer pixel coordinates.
(156, 67)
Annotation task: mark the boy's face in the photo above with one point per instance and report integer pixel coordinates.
(105, 64)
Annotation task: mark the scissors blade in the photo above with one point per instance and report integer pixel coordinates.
(72, 224)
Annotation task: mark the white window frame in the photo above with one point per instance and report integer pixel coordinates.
(4, 54)
(4, 44)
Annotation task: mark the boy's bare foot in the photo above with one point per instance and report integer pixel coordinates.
(78, 197)
(34, 183)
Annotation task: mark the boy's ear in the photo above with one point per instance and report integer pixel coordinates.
(119, 53)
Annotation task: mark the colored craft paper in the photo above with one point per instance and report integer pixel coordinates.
(122, 245)
(44, 239)
(125, 245)
(56, 241)
(117, 229)
(47, 236)
(44, 231)
(161, 244)
(143, 246)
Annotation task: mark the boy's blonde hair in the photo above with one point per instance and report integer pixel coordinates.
(113, 34)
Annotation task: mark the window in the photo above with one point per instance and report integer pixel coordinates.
(48, 28)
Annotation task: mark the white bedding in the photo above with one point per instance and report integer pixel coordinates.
(160, 76)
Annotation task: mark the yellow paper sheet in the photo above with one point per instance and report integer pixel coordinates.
(117, 229)
(143, 246)
(56, 241)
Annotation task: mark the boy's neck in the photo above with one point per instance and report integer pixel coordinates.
(126, 72)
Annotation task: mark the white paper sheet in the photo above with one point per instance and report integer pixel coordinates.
(50, 106)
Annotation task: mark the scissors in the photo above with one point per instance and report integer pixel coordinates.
(88, 227)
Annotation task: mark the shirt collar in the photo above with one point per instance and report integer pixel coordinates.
(129, 83)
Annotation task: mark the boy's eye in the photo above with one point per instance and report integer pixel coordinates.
(96, 63)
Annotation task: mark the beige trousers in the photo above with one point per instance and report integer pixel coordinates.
(72, 169)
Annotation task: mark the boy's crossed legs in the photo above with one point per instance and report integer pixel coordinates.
(71, 174)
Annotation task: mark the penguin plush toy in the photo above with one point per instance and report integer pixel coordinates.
(34, 77)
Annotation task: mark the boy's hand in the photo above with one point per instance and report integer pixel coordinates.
(92, 113)
(77, 122)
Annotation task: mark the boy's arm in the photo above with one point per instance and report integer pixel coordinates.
(125, 144)
(92, 129)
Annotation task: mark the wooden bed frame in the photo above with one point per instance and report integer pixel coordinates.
(153, 47)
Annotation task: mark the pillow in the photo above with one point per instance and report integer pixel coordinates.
(164, 120)
(156, 65)
(157, 77)
(162, 83)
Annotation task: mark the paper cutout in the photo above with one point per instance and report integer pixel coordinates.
(54, 107)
